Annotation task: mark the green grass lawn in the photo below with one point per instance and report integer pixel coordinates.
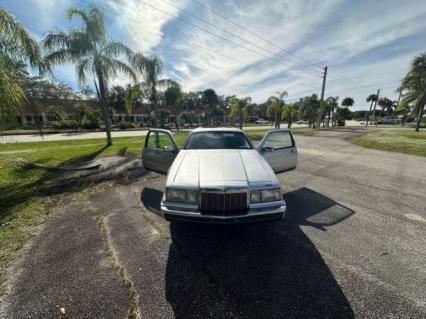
(26, 195)
(401, 141)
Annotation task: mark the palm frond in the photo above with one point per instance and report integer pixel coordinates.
(61, 56)
(112, 66)
(166, 83)
(82, 68)
(114, 49)
(54, 41)
(12, 97)
(15, 34)
(80, 13)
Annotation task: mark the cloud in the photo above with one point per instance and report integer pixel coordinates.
(365, 44)
(138, 22)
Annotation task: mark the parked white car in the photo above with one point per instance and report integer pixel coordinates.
(261, 121)
(219, 176)
(302, 122)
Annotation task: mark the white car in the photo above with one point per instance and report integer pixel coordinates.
(302, 122)
(261, 121)
(219, 176)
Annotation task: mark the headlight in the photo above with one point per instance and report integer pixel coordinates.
(265, 195)
(255, 196)
(181, 196)
(176, 195)
(271, 195)
(191, 197)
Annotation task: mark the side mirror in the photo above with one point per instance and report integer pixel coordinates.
(169, 149)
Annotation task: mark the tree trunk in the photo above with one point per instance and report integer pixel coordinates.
(241, 120)
(368, 115)
(289, 122)
(104, 108)
(419, 118)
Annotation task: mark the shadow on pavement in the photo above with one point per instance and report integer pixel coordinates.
(267, 270)
(151, 199)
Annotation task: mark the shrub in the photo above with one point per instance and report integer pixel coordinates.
(90, 125)
(125, 125)
(69, 124)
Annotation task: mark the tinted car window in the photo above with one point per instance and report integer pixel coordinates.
(217, 140)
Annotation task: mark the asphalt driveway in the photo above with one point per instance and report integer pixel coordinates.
(352, 245)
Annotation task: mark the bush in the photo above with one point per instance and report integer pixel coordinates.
(69, 124)
(125, 125)
(90, 125)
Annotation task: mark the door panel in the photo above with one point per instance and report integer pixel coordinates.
(159, 151)
(279, 149)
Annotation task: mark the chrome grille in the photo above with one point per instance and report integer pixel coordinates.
(223, 204)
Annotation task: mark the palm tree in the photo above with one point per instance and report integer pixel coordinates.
(276, 107)
(386, 105)
(414, 86)
(131, 94)
(16, 46)
(173, 101)
(94, 55)
(150, 69)
(332, 105)
(348, 102)
(373, 99)
(240, 107)
(290, 113)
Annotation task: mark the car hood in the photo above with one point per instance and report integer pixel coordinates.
(220, 168)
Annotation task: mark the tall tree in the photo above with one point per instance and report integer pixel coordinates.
(348, 102)
(291, 113)
(371, 98)
(239, 108)
(331, 108)
(414, 87)
(386, 104)
(150, 69)
(309, 106)
(131, 94)
(276, 107)
(16, 46)
(210, 102)
(173, 101)
(94, 55)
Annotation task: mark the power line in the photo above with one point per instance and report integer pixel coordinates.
(214, 34)
(228, 40)
(336, 83)
(304, 60)
(234, 35)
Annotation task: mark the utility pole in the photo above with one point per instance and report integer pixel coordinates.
(324, 78)
(375, 103)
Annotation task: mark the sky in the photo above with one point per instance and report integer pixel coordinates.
(256, 48)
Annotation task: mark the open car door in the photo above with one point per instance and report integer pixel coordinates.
(279, 149)
(159, 151)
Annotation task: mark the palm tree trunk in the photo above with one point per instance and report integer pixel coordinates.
(241, 120)
(419, 118)
(368, 115)
(104, 108)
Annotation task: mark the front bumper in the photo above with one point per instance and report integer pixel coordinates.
(253, 215)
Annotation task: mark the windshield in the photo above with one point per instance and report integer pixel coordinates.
(217, 140)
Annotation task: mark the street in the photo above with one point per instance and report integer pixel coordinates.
(86, 135)
(352, 244)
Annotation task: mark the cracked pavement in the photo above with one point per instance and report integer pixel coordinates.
(352, 245)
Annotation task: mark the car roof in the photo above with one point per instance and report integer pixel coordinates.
(217, 129)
